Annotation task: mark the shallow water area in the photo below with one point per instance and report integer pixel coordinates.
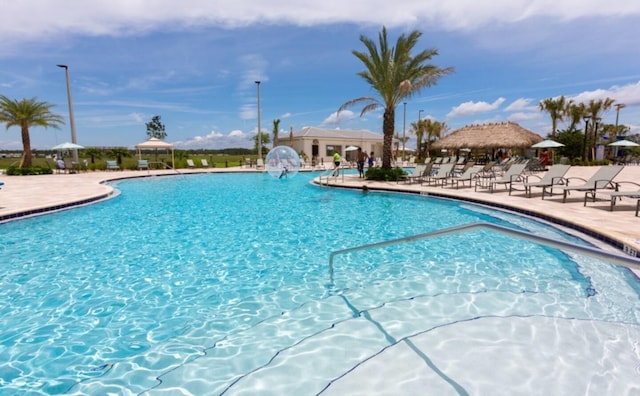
(211, 284)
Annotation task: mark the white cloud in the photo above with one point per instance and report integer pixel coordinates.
(627, 94)
(335, 118)
(521, 104)
(471, 108)
(217, 140)
(34, 19)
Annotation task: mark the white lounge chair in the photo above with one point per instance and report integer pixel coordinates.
(602, 179)
(553, 177)
(512, 175)
(190, 164)
(205, 163)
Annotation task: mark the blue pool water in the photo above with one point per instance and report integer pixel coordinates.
(121, 295)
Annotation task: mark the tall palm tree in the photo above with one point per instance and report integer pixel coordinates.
(396, 75)
(575, 113)
(26, 113)
(556, 107)
(276, 127)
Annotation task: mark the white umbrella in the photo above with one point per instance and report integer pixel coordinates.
(67, 146)
(351, 148)
(547, 144)
(624, 143)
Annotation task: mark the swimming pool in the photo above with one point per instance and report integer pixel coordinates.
(214, 284)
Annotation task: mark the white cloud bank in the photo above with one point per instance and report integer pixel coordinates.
(471, 108)
(36, 19)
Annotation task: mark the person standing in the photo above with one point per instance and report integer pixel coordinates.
(371, 160)
(336, 161)
(361, 158)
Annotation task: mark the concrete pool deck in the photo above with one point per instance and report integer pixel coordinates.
(30, 195)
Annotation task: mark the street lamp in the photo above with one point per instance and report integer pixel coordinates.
(618, 107)
(72, 123)
(259, 129)
(584, 144)
(404, 121)
(418, 148)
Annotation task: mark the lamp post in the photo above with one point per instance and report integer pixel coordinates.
(418, 143)
(259, 129)
(584, 144)
(404, 121)
(72, 123)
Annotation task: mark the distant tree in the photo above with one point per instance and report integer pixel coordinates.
(434, 131)
(395, 74)
(26, 113)
(93, 153)
(575, 113)
(595, 109)
(155, 128)
(119, 153)
(265, 140)
(276, 127)
(572, 139)
(557, 109)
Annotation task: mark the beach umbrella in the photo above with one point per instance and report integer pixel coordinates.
(351, 148)
(67, 146)
(547, 144)
(624, 143)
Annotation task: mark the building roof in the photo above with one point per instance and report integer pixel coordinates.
(347, 134)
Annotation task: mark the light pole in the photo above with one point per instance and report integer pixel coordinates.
(259, 129)
(418, 149)
(72, 123)
(404, 121)
(584, 144)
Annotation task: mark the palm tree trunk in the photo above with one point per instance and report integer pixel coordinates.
(387, 142)
(25, 161)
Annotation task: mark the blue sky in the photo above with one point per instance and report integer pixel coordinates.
(194, 63)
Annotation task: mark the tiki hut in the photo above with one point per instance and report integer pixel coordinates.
(489, 136)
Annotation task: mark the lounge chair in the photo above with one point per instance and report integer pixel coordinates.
(190, 164)
(112, 165)
(204, 163)
(143, 165)
(259, 163)
(468, 175)
(618, 195)
(419, 173)
(511, 175)
(553, 177)
(444, 172)
(602, 179)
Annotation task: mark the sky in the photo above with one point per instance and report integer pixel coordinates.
(194, 63)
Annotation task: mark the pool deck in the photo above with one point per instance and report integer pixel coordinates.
(31, 195)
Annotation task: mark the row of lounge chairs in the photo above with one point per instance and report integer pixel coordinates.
(518, 177)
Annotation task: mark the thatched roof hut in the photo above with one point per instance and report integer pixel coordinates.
(487, 136)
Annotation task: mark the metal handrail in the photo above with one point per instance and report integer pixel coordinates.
(625, 261)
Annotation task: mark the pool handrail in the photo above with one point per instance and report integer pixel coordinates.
(618, 259)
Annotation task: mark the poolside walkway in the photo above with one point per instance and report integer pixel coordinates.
(28, 195)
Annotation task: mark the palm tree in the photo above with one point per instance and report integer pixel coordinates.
(557, 109)
(93, 153)
(119, 153)
(396, 75)
(595, 109)
(576, 113)
(434, 130)
(276, 127)
(418, 129)
(26, 113)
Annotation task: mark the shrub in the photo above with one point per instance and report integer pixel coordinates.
(32, 170)
(380, 174)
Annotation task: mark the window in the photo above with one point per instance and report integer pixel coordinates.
(333, 149)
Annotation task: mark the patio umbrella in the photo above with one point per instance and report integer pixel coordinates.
(67, 146)
(547, 144)
(351, 148)
(624, 143)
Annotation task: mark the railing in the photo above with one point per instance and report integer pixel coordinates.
(625, 261)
